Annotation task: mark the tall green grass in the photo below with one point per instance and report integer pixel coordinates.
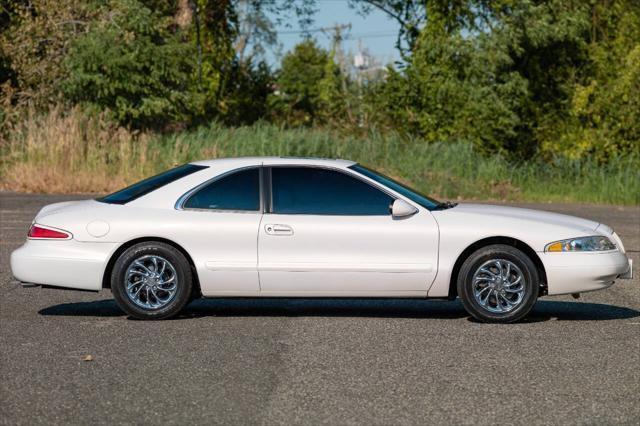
(446, 170)
(75, 153)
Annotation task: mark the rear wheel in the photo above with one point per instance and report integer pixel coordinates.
(498, 283)
(151, 280)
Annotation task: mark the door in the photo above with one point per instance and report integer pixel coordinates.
(221, 220)
(327, 232)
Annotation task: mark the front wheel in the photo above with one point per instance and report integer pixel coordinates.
(498, 283)
(151, 280)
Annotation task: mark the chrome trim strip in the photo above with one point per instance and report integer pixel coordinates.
(392, 268)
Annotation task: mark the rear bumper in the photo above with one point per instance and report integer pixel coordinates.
(69, 263)
(581, 272)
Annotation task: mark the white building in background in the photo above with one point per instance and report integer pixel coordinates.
(366, 66)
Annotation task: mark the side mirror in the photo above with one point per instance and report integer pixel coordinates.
(401, 209)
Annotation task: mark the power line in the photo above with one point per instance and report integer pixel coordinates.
(314, 30)
(370, 35)
(348, 37)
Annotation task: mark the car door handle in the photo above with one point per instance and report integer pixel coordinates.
(277, 229)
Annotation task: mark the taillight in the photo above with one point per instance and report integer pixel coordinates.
(38, 231)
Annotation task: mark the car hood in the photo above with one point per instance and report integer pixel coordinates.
(528, 215)
(466, 223)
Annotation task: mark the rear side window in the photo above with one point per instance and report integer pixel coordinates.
(148, 185)
(307, 190)
(237, 191)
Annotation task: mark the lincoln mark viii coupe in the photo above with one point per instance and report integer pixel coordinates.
(291, 227)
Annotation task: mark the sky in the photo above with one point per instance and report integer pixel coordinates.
(376, 31)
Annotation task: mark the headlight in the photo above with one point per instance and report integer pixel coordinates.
(618, 242)
(595, 243)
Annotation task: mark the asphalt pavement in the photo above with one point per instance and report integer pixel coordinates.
(74, 358)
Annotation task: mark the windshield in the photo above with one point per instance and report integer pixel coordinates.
(144, 187)
(423, 200)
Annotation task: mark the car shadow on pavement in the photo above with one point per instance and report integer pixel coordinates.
(98, 308)
(544, 310)
(579, 311)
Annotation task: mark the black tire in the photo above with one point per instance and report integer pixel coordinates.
(518, 263)
(180, 297)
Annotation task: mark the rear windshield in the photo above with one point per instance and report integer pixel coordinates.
(143, 187)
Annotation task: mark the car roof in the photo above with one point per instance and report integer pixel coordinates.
(167, 195)
(270, 161)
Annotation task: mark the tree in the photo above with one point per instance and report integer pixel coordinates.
(132, 62)
(152, 63)
(411, 15)
(506, 79)
(34, 42)
(603, 118)
(246, 93)
(331, 94)
(298, 81)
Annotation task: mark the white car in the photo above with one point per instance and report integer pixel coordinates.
(292, 227)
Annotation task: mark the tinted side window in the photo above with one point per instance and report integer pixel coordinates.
(148, 185)
(237, 191)
(307, 190)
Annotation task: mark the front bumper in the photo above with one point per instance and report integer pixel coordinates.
(629, 274)
(581, 272)
(67, 263)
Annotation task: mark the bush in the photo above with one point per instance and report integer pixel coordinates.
(135, 63)
(297, 99)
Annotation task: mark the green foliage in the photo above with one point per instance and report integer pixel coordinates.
(410, 15)
(454, 91)
(212, 34)
(528, 78)
(134, 64)
(604, 113)
(245, 98)
(68, 152)
(298, 83)
(552, 82)
(332, 96)
(34, 41)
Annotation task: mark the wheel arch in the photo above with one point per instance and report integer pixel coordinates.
(106, 277)
(510, 241)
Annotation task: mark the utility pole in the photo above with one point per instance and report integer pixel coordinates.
(336, 43)
(361, 63)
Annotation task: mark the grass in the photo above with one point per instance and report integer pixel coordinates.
(73, 152)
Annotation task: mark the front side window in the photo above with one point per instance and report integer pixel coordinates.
(237, 191)
(308, 190)
(411, 194)
(148, 185)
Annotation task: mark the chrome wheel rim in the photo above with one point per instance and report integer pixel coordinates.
(152, 282)
(499, 286)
